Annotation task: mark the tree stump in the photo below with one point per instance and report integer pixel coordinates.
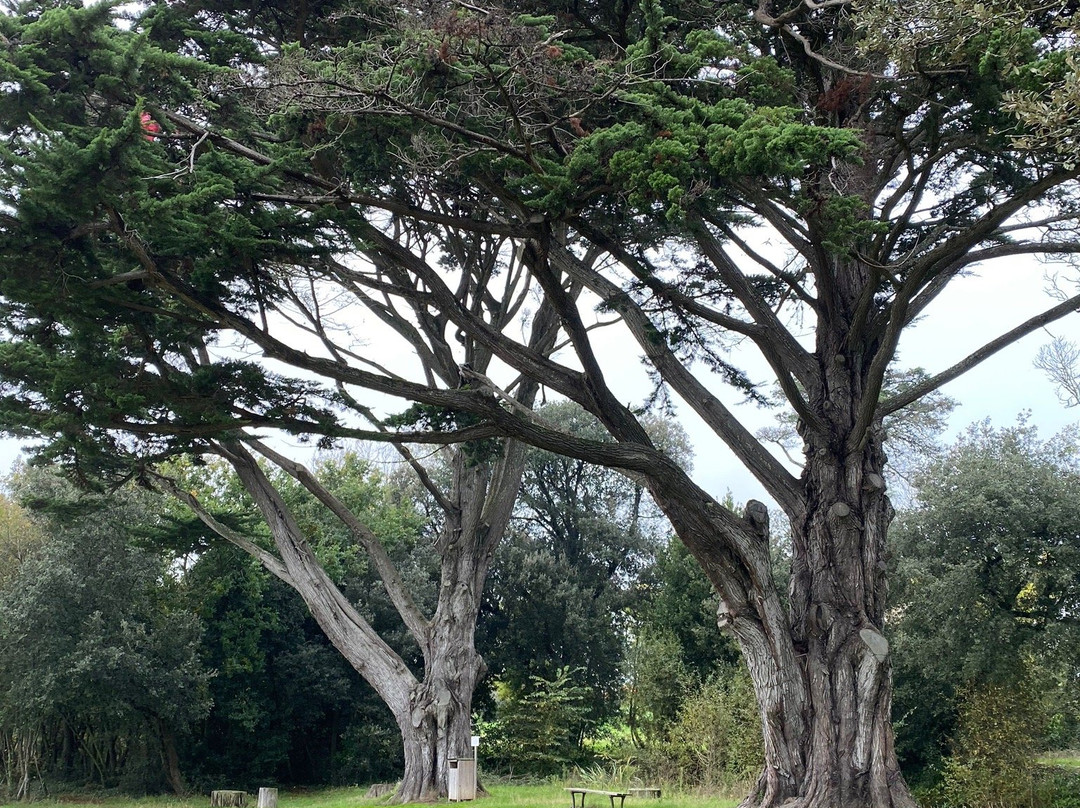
(228, 799)
(267, 798)
(379, 790)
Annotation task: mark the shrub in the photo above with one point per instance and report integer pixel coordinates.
(993, 751)
(1057, 788)
(717, 737)
(538, 730)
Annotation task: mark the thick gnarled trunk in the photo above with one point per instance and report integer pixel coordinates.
(836, 750)
(437, 724)
(836, 743)
(820, 666)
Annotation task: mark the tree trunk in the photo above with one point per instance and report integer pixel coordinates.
(436, 725)
(828, 737)
(437, 728)
(434, 713)
(171, 760)
(441, 724)
(838, 749)
(820, 667)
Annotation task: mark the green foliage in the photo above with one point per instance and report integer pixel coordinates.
(287, 708)
(681, 601)
(681, 148)
(95, 644)
(1057, 788)
(691, 717)
(987, 576)
(539, 727)
(992, 752)
(19, 538)
(565, 579)
(717, 737)
(657, 684)
(101, 207)
(425, 417)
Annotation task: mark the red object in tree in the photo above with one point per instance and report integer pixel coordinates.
(149, 126)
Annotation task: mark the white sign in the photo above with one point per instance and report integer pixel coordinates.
(475, 741)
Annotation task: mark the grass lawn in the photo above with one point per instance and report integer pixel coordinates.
(1069, 759)
(500, 796)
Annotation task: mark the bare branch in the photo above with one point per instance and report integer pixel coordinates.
(985, 352)
(1060, 360)
(411, 615)
(776, 479)
(272, 563)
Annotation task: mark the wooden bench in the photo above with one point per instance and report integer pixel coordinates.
(648, 792)
(611, 795)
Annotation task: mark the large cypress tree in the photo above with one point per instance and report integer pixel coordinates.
(433, 155)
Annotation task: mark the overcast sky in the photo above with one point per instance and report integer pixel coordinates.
(971, 312)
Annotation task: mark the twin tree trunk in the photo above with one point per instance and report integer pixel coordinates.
(820, 666)
(433, 712)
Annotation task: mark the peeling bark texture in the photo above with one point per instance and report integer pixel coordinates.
(842, 753)
(821, 666)
(821, 673)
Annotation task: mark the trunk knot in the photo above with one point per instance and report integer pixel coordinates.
(839, 511)
(876, 642)
(873, 482)
(724, 615)
(757, 514)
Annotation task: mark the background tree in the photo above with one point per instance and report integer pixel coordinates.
(358, 535)
(986, 592)
(19, 538)
(477, 501)
(618, 153)
(539, 725)
(565, 583)
(99, 669)
(287, 708)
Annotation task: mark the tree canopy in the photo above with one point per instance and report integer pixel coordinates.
(987, 582)
(198, 203)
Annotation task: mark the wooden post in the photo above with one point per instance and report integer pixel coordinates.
(228, 799)
(267, 798)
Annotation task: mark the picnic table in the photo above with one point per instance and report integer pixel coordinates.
(611, 795)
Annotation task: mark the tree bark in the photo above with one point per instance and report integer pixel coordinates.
(433, 713)
(836, 747)
(170, 759)
(834, 704)
(820, 667)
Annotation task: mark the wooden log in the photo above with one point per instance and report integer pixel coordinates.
(228, 799)
(267, 798)
(645, 793)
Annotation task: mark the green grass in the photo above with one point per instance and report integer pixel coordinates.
(1068, 759)
(548, 795)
